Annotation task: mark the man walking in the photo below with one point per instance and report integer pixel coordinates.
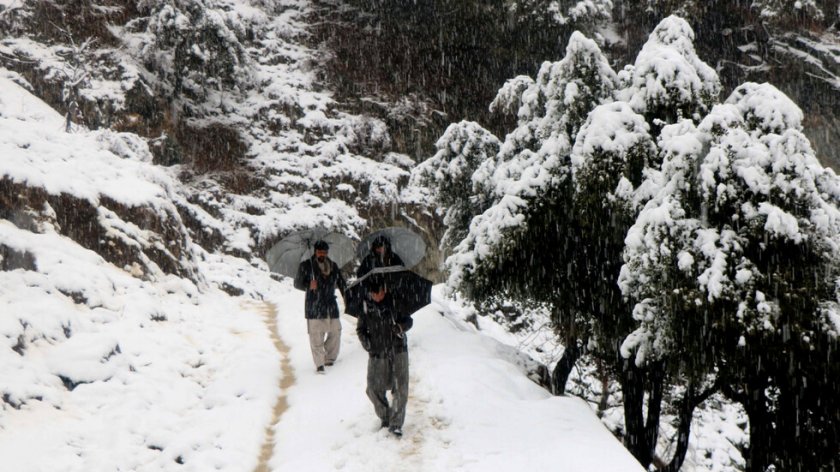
(320, 276)
(381, 331)
(381, 255)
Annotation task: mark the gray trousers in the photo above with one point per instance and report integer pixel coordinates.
(324, 339)
(389, 374)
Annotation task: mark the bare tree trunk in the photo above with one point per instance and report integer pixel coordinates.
(761, 431)
(642, 432)
(654, 406)
(563, 369)
(686, 414)
(754, 400)
(565, 320)
(71, 112)
(605, 388)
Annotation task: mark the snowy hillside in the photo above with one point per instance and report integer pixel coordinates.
(107, 367)
(257, 143)
(152, 151)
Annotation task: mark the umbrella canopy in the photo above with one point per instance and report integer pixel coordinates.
(285, 256)
(405, 243)
(409, 291)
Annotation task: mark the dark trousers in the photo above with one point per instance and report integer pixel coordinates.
(385, 374)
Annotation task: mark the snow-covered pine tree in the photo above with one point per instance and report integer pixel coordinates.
(568, 185)
(733, 269)
(509, 97)
(451, 175)
(668, 80)
(659, 270)
(195, 47)
(612, 153)
(522, 246)
(556, 104)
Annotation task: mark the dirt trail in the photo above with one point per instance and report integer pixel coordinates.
(269, 312)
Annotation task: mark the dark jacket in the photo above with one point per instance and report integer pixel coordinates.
(377, 328)
(320, 303)
(372, 261)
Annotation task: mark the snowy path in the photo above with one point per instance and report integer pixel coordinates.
(331, 417)
(269, 313)
(469, 409)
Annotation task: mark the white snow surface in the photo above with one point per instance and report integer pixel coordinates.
(38, 152)
(470, 407)
(143, 377)
(104, 371)
(193, 391)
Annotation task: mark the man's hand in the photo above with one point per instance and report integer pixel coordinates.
(397, 330)
(313, 284)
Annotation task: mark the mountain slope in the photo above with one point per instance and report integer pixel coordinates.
(116, 352)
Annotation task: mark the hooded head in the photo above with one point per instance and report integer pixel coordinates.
(380, 245)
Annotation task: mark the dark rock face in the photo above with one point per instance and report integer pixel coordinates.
(797, 52)
(448, 61)
(165, 247)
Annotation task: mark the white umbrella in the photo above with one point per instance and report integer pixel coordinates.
(405, 243)
(285, 256)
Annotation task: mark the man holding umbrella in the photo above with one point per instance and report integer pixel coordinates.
(381, 255)
(320, 276)
(381, 329)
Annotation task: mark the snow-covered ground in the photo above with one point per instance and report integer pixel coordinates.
(173, 379)
(145, 376)
(470, 407)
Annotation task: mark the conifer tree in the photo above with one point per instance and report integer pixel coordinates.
(733, 269)
(611, 152)
(568, 185)
(452, 175)
(522, 246)
(195, 47)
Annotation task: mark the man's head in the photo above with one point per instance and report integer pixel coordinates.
(321, 250)
(379, 294)
(376, 289)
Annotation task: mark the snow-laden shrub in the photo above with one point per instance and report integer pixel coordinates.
(195, 46)
(788, 11)
(509, 97)
(452, 175)
(578, 12)
(668, 80)
(733, 269)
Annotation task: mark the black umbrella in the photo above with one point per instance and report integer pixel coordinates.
(409, 291)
